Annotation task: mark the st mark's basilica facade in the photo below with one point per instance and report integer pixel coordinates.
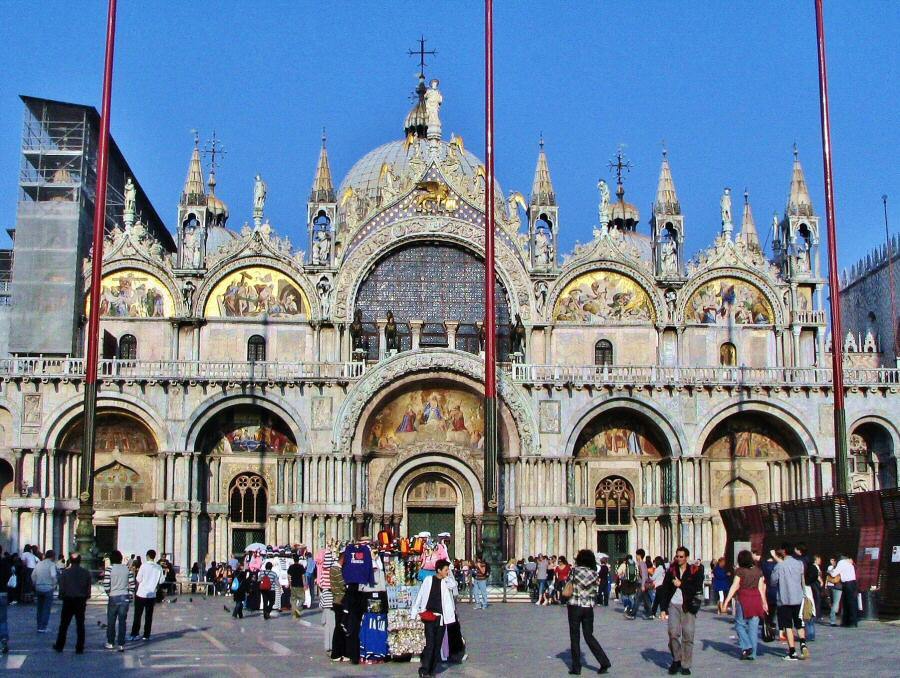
(251, 391)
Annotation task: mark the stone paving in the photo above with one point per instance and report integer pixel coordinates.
(515, 639)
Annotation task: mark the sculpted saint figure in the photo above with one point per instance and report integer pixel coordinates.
(603, 209)
(433, 100)
(517, 336)
(259, 195)
(725, 204)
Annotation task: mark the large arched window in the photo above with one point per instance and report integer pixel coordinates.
(433, 282)
(613, 501)
(728, 354)
(256, 349)
(127, 347)
(603, 352)
(248, 499)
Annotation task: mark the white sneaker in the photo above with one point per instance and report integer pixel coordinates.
(109, 646)
(121, 648)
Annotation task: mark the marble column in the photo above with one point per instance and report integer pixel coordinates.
(415, 330)
(451, 326)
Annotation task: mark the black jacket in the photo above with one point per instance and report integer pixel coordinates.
(691, 588)
(75, 582)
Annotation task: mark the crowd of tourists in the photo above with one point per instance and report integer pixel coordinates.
(779, 596)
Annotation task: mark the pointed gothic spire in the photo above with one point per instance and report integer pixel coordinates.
(193, 192)
(748, 233)
(666, 198)
(322, 187)
(542, 192)
(799, 202)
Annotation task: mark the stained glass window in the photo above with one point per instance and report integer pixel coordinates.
(432, 282)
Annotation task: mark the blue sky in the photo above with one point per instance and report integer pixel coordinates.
(728, 86)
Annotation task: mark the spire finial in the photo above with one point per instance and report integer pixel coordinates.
(421, 53)
(324, 137)
(214, 149)
(541, 141)
(665, 151)
(796, 151)
(746, 196)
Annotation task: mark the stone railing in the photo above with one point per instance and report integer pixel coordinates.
(186, 370)
(603, 375)
(808, 317)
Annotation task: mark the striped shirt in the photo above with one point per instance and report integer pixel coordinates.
(326, 597)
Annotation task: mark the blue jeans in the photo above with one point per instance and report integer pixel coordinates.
(835, 603)
(747, 630)
(480, 586)
(628, 603)
(542, 586)
(44, 601)
(4, 627)
(116, 615)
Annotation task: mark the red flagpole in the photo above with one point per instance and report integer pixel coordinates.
(842, 484)
(85, 531)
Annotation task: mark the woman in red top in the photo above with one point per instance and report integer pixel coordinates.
(562, 575)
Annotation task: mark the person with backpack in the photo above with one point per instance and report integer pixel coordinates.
(268, 585)
(628, 585)
(682, 596)
(238, 591)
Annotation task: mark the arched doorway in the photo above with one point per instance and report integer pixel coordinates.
(7, 490)
(431, 504)
(124, 458)
(248, 503)
(613, 506)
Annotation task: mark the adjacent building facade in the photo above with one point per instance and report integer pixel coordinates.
(258, 389)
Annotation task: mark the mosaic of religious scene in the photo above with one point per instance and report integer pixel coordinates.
(744, 440)
(251, 431)
(254, 293)
(119, 484)
(601, 296)
(726, 301)
(614, 438)
(438, 415)
(115, 433)
(133, 294)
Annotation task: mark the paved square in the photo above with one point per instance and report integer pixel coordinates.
(518, 640)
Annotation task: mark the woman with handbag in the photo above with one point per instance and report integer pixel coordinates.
(580, 591)
(436, 608)
(749, 590)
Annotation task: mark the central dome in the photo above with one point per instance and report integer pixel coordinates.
(365, 175)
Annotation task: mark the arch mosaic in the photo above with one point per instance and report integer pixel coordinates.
(666, 424)
(386, 487)
(256, 292)
(609, 278)
(219, 277)
(362, 259)
(204, 413)
(389, 371)
(792, 420)
(751, 295)
(133, 293)
(143, 268)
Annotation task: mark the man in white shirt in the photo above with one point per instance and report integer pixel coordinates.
(29, 562)
(845, 573)
(149, 577)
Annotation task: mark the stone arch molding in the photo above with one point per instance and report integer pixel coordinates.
(226, 268)
(390, 478)
(454, 231)
(465, 495)
(426, 360)
(772, 296)
(664, 421)
(889, 426)
(73, 408)
(640, 277)
(208, 409)
(777, 409)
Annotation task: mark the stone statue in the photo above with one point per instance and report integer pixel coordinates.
(481, 336)
(259, 199)
(130, 195)
(540, 294)
(391, 340)
(517, 337)
(187, 295)
(671, 296)
(603, 210)
(191, 257)
(356, 332)
(803, 256)
(321, 249)
(433, 100)
(543, 248)
(725, 203)
(668, 258)
(323, 288)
